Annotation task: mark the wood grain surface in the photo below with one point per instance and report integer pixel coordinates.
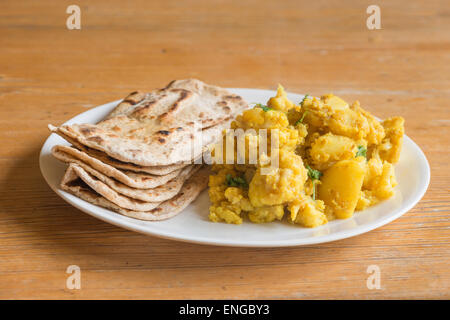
(49, 74)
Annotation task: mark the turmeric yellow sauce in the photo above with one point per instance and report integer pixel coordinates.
(334, 158)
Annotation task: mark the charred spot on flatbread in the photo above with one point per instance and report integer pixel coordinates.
(88, 131)
(232, 97)
(134, 98)
(143, 110)
(184, 95)
(96, 139)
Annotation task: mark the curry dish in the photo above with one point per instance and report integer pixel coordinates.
(334, 159)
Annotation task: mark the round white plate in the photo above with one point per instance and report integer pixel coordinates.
(192, 225)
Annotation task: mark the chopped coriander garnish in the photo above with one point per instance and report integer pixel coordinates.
(236, 182)
(362, 152)
(301, 119)
(303, 100)
(314, 175)
(264, 107)
(304, 113)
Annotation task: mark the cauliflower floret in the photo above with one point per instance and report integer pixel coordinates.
(307, 212)
(374, 169)
(238, 197)
(366, 199)
(282, 184)
(234, 195)
(384, 184)
(217, 186)
(257, 118)
(266, 214)
(225, 212)
(280, 101)
(376, 131)
(391, 146)
(379, 180)
(288, 138)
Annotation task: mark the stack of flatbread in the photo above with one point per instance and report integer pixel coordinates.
(142, 160)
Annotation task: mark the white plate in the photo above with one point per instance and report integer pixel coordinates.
(192, 225)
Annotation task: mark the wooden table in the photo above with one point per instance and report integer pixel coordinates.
(49, 74)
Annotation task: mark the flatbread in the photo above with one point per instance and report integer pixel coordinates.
(110, 194)
(158, 194)
(160, 128)
(167, 209)
(103, 157)
(133, 179)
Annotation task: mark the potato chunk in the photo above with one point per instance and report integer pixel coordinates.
(334, 102)
(341, 186)
(257, 118)
(332, 114)
(330, 148)
(348, 123)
